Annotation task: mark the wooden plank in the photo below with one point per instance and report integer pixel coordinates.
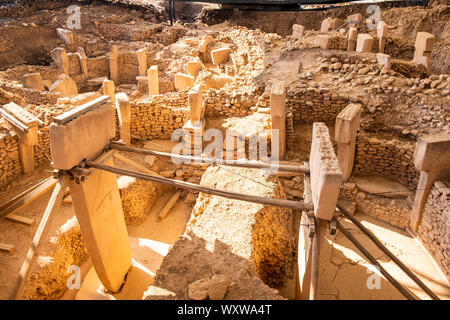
(72, 114)
(20, 219)
(169, 205)
(26, 197)
(52, 206)
(6, 247)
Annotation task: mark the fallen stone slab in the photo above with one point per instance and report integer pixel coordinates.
(382, 186)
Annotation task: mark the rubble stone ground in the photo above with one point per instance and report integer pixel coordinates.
(209, 246)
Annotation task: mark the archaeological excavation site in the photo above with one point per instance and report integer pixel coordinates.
(224, 150)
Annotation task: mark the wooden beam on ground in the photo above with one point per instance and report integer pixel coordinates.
(26, 197)
(52, 206)
(6, 247)
(195, 187)
(20, 219)
(169, 205)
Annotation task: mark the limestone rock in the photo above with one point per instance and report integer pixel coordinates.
(198, 290)
(218, 287)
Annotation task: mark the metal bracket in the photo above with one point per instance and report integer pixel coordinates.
(312, 223)
(332, 225)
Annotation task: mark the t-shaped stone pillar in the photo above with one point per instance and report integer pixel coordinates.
(424, 45)
(195, 104)
(297, 31)
(28, 138)
(382, 34)
(203, 47)
(109, 89)
(114, 64)
(83, 133)
(278, 113)
(124, 113)
(352, 36)
(153, 81)
(364, 43)
(326, 25)
(59, 55)
(142, 62)
(83, 62)
(326, 176)
(347, 123)
(432, 158)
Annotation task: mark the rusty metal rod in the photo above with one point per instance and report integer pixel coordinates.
(195, 187)
(217, 161)
(381, 246)
(374, 261)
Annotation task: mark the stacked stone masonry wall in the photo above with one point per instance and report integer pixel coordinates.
(388, 158)
(434, 229)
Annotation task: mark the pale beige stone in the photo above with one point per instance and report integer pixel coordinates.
(384, 60)
(278, 113)
(183, 81)
(347, 123)
(123, 108)
(297, 31)
(65, 86)
(424, 43)
(195, 99)
(425, 61)
(153, 81)
(34, 81)
(326, 25)
(114, 64)
(326, 176)
(324, 41)
(219, 56)
(198, 290)
(84, 137)
(59, 56)
(193, 68)
(364, 43)
(142, 62)
(218, 287)
(355, 19)
(99, 212)
(83, 61)
(27, 140)
(109, 89)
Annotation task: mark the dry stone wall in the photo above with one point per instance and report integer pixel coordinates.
(434, 230)
(159, 116)
(10, 165)
(386, 157)
(223, 102)
(309, 104)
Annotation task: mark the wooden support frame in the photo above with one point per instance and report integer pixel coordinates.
(26, 197)
(49, 213)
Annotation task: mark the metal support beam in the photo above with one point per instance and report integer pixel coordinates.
(195, 187)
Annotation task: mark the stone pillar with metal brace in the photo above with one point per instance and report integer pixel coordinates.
(82, 134)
